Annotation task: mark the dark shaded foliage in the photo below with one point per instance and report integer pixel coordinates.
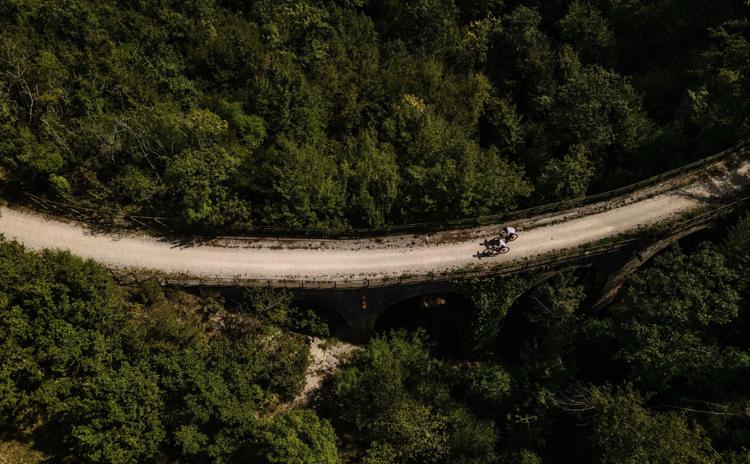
(359, 113)
(103, 374)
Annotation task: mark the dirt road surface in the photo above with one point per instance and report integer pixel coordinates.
(370, 258)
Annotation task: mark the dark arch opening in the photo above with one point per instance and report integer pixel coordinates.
(443, 317)
(515, 328)
(337, 325)
(530, 331)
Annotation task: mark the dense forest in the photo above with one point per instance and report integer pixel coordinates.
(335, 114)
(351, 113)
(95, 373)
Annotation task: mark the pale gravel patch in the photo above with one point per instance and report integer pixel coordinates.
(325, 358)
(297, 259)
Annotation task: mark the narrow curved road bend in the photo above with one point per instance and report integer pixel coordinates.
(377, 258)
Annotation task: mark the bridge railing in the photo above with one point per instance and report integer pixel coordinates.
(546, 261)
(113, 219)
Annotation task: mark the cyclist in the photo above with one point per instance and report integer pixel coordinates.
(509, 233)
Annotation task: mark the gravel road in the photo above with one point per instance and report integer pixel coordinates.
(304, 259)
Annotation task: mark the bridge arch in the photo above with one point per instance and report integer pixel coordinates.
(617, 277)
(442, 315)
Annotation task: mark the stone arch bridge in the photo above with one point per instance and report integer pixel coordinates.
(361, 304)
(361, 278)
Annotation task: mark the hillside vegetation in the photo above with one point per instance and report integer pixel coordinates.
(361, 113)
(91, 372)
(94, 373)
(335, 114)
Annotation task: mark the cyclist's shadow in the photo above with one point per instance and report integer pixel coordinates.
(489, 250)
